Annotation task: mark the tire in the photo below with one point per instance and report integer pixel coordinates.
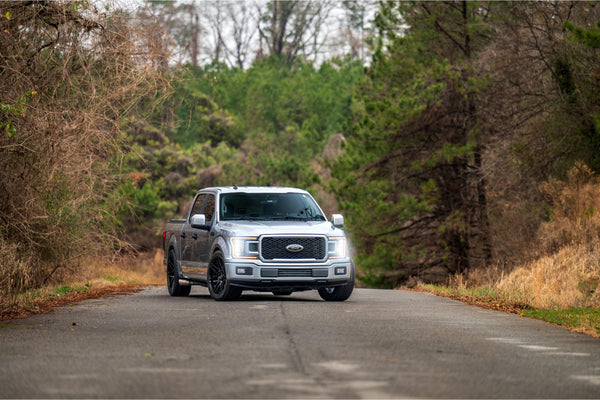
(175, 289)
(338, 293)
(283, 292)
(218, 285)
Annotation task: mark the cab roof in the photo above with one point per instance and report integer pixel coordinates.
(253, 189)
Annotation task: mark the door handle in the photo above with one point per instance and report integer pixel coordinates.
(195, 236)
(183, 235)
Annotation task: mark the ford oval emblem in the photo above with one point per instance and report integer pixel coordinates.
(294, 248)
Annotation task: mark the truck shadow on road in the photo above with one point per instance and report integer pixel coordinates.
(247, 297)
(252, 297)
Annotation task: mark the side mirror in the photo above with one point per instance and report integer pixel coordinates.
(198, 221)
(337, 220)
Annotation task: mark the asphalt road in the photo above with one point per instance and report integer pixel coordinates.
(380, 344)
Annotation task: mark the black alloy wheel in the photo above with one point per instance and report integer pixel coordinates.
(218, 286)
(175, 289)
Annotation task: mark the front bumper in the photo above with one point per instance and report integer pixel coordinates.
(299, 276)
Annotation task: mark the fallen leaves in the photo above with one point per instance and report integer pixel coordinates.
(482, 302)
(48, 303)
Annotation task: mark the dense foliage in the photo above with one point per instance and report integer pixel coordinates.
(413, 164)
(67, 76)
(467, 108)
(438, 150)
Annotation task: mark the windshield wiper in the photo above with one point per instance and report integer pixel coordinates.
(295, 218)
(245, 219)
(311, 215)
(289, 218)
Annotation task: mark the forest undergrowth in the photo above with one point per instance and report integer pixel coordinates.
(561, 285)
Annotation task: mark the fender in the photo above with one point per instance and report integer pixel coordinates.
(174, 244)
(220, 243)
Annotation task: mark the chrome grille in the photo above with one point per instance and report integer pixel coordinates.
(274, 247)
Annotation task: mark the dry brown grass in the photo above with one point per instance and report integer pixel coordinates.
(566, 279)
(566, 271)
(145, 269)
(575, 216)
(94, 278)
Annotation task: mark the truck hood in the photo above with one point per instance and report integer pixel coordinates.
(258, 228)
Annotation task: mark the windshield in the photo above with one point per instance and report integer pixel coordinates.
(269, 206)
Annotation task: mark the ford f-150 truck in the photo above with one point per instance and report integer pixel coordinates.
(268, 239)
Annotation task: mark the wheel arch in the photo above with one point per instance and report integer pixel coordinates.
(220, 244)
(172, 247)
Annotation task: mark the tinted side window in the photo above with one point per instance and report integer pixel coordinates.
(197, 208)
(209, 208)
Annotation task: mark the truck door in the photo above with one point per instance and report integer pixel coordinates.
(202, 244)
(189, 236)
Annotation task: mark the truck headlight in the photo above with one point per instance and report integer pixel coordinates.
(337, 247)
(244, 247)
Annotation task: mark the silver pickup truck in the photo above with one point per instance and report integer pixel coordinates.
(268, 239)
